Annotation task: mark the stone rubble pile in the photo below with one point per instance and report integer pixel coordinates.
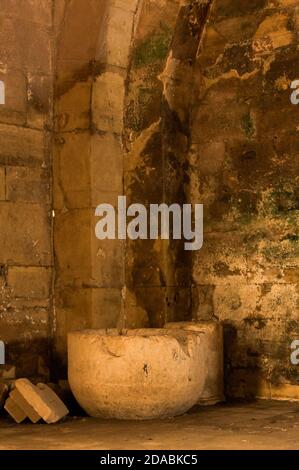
(36, 402)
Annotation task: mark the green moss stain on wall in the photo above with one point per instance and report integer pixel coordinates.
(154, 48)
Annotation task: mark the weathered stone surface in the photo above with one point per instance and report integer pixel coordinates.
(162, 105)
(72, 184)
(118, 35)
(44, 401)
(40, 98)
(211, 340)
(29, 282)
(73, 107)
(26, 45)
(24, 405)
(15, 411)
(39, 12)
(157, 118)
(26, 239)
(217, 262)
(107, 307)
(14, 111)
(107, 263)
(21, 146)
(178, 304)
(129, 5)
(121, 375)
(28, 185)
(71, 49)
(106, 167)
(247, 184)
(74, 229)
(73, 303)
(14, 33)
(108, 99)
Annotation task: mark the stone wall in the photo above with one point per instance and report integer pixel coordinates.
(244, 168)
(162, 101)
(159, 96)
(119, 121)
(25, 184)
(88, 162)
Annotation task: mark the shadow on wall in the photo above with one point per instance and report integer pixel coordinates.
(28, 359)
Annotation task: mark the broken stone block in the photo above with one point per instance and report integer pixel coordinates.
(18, 398)
(44, 401)
(15, 411)
(58, 408)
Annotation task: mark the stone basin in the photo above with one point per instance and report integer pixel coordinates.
(135, 374)
(211, 333)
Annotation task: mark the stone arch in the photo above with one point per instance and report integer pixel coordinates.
(98, 152)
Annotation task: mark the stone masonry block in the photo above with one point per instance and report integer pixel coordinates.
(73, 106)
(15, 108)
(119, 35)
(29, 282)
(21, 146)
(72, 182)
(106, 166)
(15, 34)
(108, 99)
(107, 259)
(26, 238)
(39, 97)
(44, 401)
(72, 245)
(15, 411)
(24, 405)
(106, 308)
(27, 184)
(38, 12)
(221, 260)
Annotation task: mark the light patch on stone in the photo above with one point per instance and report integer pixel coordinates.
(275, 28)
(108, 99)
(140, 144)
(284, 3)
(282, 83)
(233, 73)
(175, 72)
(259, 46)
(118, 36)
(267, 63)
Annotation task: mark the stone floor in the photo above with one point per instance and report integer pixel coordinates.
(257, 425)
